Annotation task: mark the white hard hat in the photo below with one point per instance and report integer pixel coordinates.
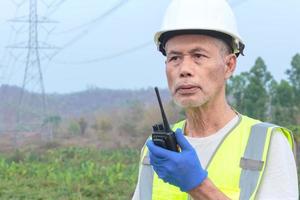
(209, 17)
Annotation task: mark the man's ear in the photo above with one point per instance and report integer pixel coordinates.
(230, 64)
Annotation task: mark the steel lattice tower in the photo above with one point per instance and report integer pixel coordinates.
(33, 64)
(31, 111)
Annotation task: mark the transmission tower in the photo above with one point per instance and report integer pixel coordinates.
(32, 101)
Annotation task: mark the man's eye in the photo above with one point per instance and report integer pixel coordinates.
(173, 58)
(198, 55)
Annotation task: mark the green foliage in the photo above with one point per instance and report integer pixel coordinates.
(258, 95)
(52, 122)
(249, 90)
(294, 77)
(236, 87)
(83, 124)
(296, 131)
(70, 173)
(283, 99)
(74, 128)
(55, 120)
(255, 94)
(294, 72)
(105, 125)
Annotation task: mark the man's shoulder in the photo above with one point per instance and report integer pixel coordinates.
(247, 118)
(281, 132)
(258, 121)
(243, 119)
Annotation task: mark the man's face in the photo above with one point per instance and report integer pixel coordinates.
(196, 69)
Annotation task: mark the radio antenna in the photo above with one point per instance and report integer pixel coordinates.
(165, 121)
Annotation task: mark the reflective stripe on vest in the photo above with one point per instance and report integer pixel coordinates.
(236, 173)
(252, 162)
(146, 182)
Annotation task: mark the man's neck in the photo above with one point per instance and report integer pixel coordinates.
(207, 120)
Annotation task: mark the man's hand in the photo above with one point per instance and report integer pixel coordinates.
(181, 169)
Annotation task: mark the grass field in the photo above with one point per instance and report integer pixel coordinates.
(69, 173)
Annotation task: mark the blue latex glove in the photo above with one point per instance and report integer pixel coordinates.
(181, 169)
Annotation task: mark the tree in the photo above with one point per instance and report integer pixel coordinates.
(235, 91)
(74, 128)
(106, 125)
(294, 73)
(83, 125)
(133, 116)
(103, 125)
(294, 78)
(255, 94)
(283, 109)
(52, 123)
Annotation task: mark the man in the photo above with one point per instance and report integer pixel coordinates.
(224, 155)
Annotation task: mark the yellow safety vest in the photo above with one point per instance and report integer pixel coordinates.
(236, 168)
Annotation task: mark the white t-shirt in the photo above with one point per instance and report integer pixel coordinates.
(280, 179)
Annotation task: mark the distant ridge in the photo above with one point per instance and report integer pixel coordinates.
(80, 103)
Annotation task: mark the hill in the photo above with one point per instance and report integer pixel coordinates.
(72, 105)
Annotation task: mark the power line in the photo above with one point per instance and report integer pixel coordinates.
(54, 6)
(18, 4)
(118, 54)
(97, 19)
(108, 57)
(85, 32)
(128, 51)
(6, 57)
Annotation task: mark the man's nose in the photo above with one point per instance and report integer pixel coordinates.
(186, 68)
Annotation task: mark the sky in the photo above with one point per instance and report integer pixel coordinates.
(109, 44)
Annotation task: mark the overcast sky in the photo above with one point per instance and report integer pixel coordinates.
(109, 44)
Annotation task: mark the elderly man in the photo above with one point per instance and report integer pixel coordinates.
(223, 154)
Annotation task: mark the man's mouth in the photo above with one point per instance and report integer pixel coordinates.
(187, 89)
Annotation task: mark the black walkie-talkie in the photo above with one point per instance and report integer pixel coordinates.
(162, 135)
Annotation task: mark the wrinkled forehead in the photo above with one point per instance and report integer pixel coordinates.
(189, 42)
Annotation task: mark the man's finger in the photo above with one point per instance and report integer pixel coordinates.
(181, 140)
(156, 161)
(157, 150)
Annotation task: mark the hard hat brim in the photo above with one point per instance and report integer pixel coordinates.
(162, 37)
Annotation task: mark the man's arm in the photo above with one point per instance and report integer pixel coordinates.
(280, 175)
(206, 191)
